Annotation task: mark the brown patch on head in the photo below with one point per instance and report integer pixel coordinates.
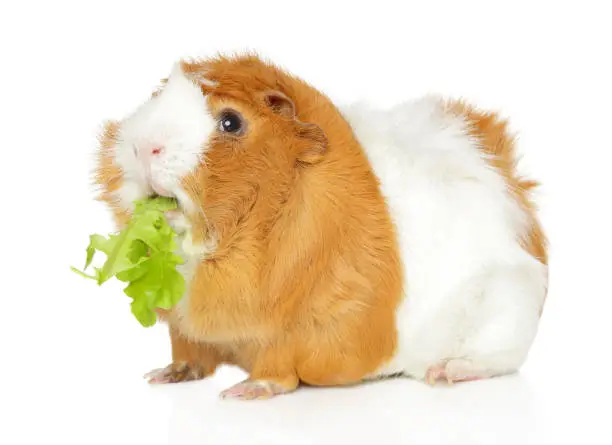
(261, 161)
(491, 132)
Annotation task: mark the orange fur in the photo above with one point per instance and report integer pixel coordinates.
(196, 355)
(491, 132)
(108, 175)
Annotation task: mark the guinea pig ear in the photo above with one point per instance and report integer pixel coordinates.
(279, 103)
(313, 143)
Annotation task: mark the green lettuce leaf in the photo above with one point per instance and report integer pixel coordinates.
(143, 256)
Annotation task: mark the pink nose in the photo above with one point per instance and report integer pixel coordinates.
(146, 151)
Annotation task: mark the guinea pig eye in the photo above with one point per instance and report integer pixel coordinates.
(231, 122)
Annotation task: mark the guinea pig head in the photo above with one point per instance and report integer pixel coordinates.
(221, 137)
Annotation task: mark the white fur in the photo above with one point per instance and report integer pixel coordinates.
(471, 292)
(178, 120)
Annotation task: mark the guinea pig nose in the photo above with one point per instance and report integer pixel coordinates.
(145, 152)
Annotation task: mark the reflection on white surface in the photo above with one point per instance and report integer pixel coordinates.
(495, 411)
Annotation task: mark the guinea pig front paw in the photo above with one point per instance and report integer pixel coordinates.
(175, 373)
(254, 390)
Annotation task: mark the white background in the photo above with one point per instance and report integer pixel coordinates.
(72, 354)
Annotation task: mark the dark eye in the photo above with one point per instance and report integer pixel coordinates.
(230, 122)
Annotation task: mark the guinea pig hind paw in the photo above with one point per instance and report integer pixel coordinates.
(253, 390)
(454, 371)
(435, 373)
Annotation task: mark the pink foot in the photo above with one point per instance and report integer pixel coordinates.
(435, 373)
(454, 371)
(253, 390)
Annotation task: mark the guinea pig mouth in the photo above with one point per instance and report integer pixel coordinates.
(154, 195)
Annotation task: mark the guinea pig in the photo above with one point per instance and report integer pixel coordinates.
(329, 245)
